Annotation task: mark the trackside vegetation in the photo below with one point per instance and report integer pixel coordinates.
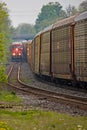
(40, 120)
(35, 118)
(2, 58)
(6, 96)
(5, 37)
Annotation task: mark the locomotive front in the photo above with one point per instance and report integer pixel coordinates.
(16, 51)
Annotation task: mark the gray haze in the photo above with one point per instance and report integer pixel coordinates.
(26, 11)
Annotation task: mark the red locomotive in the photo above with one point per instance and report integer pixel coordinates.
(17, 51)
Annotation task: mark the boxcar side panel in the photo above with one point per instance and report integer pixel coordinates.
(81, 50)
(45, 53)
(33, 56)
(61, 52)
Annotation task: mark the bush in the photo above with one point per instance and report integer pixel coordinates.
(3, 77)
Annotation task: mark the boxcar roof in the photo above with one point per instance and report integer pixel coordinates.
(47, 28)
(81, 16)
(37, 34)
(29, 41)
(64, 22)
(44, 30)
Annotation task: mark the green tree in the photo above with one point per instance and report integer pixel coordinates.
(48, 15)
(24, 30)
(71, 10)
(2, 58)
(83, 6)
(4, 38)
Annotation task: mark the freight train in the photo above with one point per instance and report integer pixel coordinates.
(59, 52)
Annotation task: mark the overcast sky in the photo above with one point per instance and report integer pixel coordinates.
(26, 11)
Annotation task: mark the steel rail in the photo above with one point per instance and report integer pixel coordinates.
(77, 101)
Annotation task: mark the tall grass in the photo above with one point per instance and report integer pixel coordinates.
(42, 120)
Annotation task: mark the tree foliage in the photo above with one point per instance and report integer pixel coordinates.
(4, 38)
(2, 58)
(71, 10)
(25, 29)
(49, 14)
(83, 6)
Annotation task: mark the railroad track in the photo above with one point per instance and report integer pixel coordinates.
(76, 101)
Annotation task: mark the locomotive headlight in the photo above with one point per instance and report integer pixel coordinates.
(16, 49)
(13, 54)
(19, 54)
